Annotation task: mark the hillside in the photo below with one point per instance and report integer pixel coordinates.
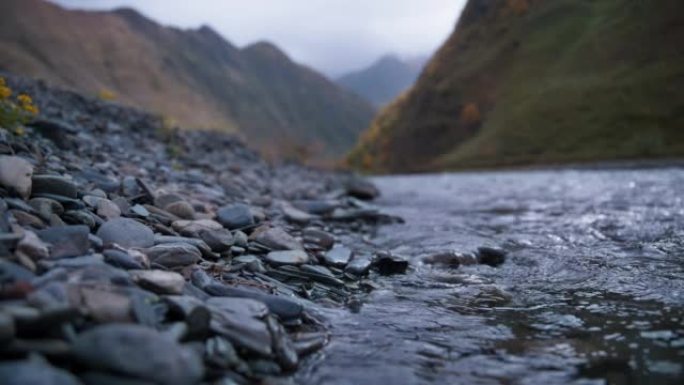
(194, 77)
(384, 80)
(537, 82)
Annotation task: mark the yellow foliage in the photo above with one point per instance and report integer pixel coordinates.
(518, 6)
(470, 114)
(14, 113)
(106, 95)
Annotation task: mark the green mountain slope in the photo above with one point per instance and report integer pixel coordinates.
(538, 82)
(195, 77)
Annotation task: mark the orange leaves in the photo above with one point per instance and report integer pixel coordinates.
(470, 114)
(519, 7)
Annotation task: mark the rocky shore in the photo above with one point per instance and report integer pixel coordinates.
(133, 253)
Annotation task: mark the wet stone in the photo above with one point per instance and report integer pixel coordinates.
(108, 209)
(338, 256)
(287, 257)
(54, 185)
(181, 209)
(235, 216)
(491, 256)
(138, 352)
(66, 241)
(242, 306)
(359, 265)
(242, 330)
(126, 233)
(15, 174)
(388, 264)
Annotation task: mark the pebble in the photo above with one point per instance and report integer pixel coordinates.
(126, 233)
(359, 265)
(235, 216)
(66, 241)
(54, 185)
(276, 238)
(287, 257)
(108, 209)
(15, 174)
(32, 246)
(181, 209)
(139, 352)
(159, 281)
(319, 238)
(242, 306)
(172, 255)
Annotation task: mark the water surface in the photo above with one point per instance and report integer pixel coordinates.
(592, 290)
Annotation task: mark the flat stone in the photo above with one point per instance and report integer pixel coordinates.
(34, 372)
(122, 259)
(32, 246)
(235, 216)
(193, 228)
(181, 209)
(139, 352)
(218, 240)
(338, 256)
(243, 306)
(159, 281)
(287, 257)
(296, 215)
(242, 330)
(319, 238)
(108, 209)
(66, 241)
(359, 265)
(54, 185)
(318, 207)
(173, 255)
(126, 233)
(276, 238)
(280, 306)
(15, 174)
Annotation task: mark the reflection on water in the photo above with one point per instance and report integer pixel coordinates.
(592, 291)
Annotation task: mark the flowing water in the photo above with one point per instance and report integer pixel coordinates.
(592, 290)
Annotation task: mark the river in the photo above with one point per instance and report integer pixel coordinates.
(592, 290)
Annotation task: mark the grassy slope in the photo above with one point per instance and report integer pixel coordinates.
(567, 80)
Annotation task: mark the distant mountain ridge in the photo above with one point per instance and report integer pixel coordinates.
(385, 79)
(523, 82)
(193, 76)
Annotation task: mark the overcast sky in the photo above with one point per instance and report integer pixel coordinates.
(334, 36)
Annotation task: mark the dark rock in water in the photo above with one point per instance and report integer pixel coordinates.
(319, 238)
(287, 257)
(282, 307)
(388, 264)
(66, 241)
(126, 233)
(173, 255)
(338, 256)
(359, 266)
(448, 258)
(54, 185)
(34, 373)
(307, 343)
(362, 189)
(138, 352)
(235, 216)
(491, 256)
(276, 238)
(15, 174)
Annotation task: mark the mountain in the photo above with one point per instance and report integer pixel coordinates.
(195, 77)
(384, 80)
(536, 82)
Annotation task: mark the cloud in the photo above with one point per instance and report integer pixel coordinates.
(334, 36)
